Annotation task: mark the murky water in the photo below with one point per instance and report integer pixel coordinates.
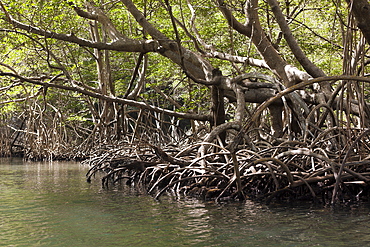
(50, 204)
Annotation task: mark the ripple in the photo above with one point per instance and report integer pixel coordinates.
(52, 205)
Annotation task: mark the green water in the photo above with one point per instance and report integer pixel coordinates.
(50, 204)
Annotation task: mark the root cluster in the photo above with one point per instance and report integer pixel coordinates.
(332, 167)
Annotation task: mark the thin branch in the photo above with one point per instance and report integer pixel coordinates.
(107, 98)
(119, 45)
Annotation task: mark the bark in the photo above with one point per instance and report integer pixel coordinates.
(276, 120)
(253, 30)
(361, 10)
(188, 60)
(141, 80)
(289, 74)
(211, 51)
(129, 45)
(310, 67)
(263, 44)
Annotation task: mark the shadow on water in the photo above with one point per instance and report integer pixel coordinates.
(50, 204)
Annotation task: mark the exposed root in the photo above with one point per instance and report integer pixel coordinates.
(292, 170)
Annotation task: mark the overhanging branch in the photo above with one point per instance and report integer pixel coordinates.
(96, 95)
(118, 45)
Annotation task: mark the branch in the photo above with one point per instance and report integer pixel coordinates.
(133, 77)
(98, 15)
(318, 35)
(134, 103)
(255, 32)
(311, 68)
(243, 29)
(195, 30)
(192, 62)
(83, 13)
(237, 59)
(22, 99)
(130, 45)
(299, 86)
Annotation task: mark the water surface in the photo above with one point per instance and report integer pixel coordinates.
(50, 204)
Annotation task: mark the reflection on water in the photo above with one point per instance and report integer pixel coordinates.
(50, 204)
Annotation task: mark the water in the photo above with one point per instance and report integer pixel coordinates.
(50, 204)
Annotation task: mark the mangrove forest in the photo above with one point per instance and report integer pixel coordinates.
(216, 99)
